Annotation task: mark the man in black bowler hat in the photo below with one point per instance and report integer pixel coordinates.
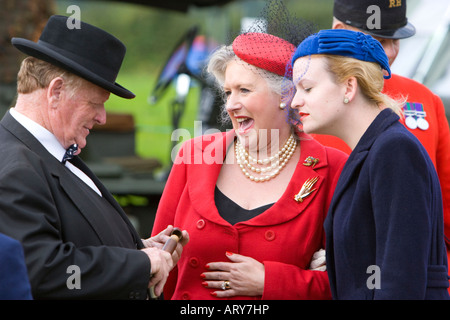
(425, 115)
(78, 242)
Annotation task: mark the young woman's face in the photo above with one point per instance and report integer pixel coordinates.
(318, 98)
(252, 106)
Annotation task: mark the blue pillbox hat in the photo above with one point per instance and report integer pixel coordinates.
(343, 42)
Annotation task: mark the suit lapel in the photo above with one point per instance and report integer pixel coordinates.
(108, 196)
(76, 161)
(86, 208)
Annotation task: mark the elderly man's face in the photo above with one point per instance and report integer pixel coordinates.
(77, 113)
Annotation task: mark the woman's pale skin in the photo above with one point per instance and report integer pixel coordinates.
(320, 102)
(255, 113)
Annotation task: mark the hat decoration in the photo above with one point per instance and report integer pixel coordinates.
(271, 39)
(88, 52)
(346, 43)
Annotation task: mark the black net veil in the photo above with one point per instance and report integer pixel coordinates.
(277, 20)
(274, 64)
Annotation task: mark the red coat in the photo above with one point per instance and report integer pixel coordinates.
(284, 237)
(436, 139)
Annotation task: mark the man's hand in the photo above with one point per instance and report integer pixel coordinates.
(160, 239)
(161, 263)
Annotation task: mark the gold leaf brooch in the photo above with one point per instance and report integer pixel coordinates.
(306, 189)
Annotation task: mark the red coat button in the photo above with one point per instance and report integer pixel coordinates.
(193, 262)
(200, 224)
(269, 235)
(186, 296)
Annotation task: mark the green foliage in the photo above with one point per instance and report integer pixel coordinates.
(153, 122)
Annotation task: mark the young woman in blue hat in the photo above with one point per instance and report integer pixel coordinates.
(384, 228)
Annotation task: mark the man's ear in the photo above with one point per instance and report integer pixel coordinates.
(55, 90)
(337, 24)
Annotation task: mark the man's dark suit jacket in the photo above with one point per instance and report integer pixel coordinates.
(60, 224)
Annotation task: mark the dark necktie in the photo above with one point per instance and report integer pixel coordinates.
(69, 153)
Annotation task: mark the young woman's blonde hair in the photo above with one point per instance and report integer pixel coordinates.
(369, 76)
(37, 74)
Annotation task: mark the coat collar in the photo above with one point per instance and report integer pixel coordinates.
(201, 190)
(45, 137)
(384, 120)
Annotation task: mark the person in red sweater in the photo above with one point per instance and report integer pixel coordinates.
(424, 113)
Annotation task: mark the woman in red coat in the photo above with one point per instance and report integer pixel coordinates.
(253, 225)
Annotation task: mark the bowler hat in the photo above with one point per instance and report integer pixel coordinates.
(80, 48)
(391, 15)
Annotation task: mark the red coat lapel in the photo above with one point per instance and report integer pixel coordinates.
(201, 189)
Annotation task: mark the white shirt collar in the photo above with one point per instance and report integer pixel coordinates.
(45, 137)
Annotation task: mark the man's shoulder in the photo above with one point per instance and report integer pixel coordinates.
(16, 155)
(407, 85)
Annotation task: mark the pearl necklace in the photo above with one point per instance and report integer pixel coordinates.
(268, 168)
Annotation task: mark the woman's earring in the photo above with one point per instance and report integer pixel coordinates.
(346, 100)
(282, 105)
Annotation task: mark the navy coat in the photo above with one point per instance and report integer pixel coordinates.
(14, 283)
(384, 228)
